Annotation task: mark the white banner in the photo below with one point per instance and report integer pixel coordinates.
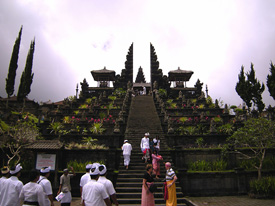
(45, 160)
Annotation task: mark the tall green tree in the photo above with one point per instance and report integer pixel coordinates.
(256, 89)
(271, 81)
(250, 89)
(243, 90)
(27, 75)
(13, 65)
(256, 136)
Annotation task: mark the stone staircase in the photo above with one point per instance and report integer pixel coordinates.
(142, 118)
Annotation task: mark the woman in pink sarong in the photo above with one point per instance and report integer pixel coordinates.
(147, 198)
(156, 163)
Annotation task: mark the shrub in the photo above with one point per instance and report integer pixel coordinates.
(202, 165)
(263, 188)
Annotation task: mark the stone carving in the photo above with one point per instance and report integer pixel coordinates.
(202, 96)
(180, 94)
(170, 128)
(116, 127)
(226, 110)
(202, 117)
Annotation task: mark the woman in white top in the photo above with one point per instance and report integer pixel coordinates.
(32, 193)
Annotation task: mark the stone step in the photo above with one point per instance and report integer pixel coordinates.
(158, 201)
(129, 182)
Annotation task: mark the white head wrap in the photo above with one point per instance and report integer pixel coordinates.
(94, 169)
(17, 169)
(45, 170)
(102, 172)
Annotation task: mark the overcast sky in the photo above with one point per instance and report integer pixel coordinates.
(213, 38)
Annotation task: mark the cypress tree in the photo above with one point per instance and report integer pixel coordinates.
(13, 65)
(271, 81)
(27, 75)
(256, 89)
(243, 90)
(250, 89)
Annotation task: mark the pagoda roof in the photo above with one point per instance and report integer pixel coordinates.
(103, 74)
(180, 75)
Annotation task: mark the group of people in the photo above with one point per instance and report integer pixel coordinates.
(150, 151)
(170, 195)
(95, 188)
(38, 191)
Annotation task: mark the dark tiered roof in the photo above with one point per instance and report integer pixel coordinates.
(180, 75)
(103, 74)
(45, 144)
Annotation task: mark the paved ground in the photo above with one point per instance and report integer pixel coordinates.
(213, 201)
(230, 201)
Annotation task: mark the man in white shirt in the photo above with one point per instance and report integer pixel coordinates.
(144, 145)
(46, 185)
(127, 148)
(107, 183)
(94, 193)
(5, 175)
(12, 188)
(32, 193)
(85, 178)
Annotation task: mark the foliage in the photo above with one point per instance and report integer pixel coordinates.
(13, 65)
(226, 128)
(19, 136)
(162, 93)
(201, 106)
(27, 75)
(194, 101)
(271, 81)
(264, 187)
(102, 115)
(113, 98)
(4, 127)
(268, 163)
(257, 135)
(30, 117)
(66, 120)
(183, 119)
(73, 145)
(202, 165)
(89, 140)
(201, 128)
(97, 128)
(199, 142)
(89, 101)
(80, 166)
(119, 92)
(76, 112)
(209, 102)
(217, 119)
(83, 106)
(58, 129)
(189, 130)
(171, 104)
